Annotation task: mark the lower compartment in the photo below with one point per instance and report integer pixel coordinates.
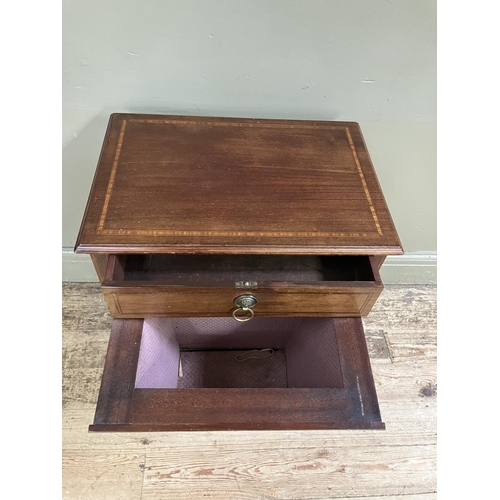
(166, 374)
(221, 353)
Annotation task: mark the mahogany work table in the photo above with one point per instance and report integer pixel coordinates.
(237, 257)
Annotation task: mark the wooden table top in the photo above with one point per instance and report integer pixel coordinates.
(185, 184)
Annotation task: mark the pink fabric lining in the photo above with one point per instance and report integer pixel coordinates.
(311, 357)
(158, 356)
(226, 333)
(221, 369)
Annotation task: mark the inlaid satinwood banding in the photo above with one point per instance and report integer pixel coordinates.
(112, 176)
(153, 232)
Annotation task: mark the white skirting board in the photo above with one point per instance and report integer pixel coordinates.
(418, 268)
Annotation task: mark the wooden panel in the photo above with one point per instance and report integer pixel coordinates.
(202, 185)
(118, 379)
(100, 262)
(191, 270)
(379, 260)
(116, 268)
(354, 406)
(224, 408)
(354, 360)
(264, 409)
(130, 302)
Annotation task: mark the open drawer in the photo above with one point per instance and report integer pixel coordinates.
(164, 285)
(166, 374)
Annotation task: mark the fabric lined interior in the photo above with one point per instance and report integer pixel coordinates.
(222, 369)
(305, 353)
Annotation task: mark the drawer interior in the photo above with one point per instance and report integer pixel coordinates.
(188, 353)
(319, 376)
(230, 268)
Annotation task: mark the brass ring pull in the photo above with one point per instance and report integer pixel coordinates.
(241, 319)
(244, 303)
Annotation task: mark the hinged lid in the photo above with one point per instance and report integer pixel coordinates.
(182, 184)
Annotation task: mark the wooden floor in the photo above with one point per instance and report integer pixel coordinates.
(397, 463)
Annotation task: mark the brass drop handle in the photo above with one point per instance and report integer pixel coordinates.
(244, 303)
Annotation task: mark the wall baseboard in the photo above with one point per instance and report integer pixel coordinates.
(416, 268)
(419, 268)
(77, 267)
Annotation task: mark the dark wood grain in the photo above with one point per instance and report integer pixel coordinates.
(169, 286)
(157, 301)
(242, 405)
(356, 368)
(115, 270)
(115, 396)
(276, 426)
(192, 269)
(379, 260)
(176, 184)
(353, 406)
(100, 261)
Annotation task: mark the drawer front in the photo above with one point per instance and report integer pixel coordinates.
(177, 286)
(167, 374)
(142, 302)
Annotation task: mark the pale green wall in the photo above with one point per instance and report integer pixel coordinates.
(370, 61)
